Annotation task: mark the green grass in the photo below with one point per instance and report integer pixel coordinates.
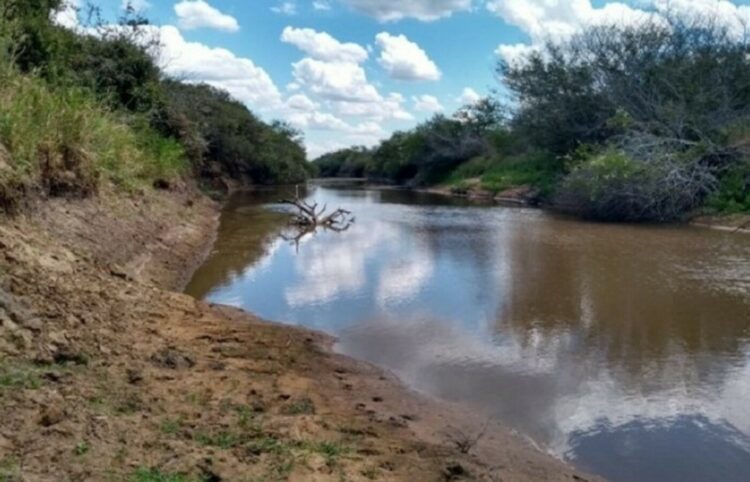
(535, 170)
(733, 195)
(269, 445)
(302, 406)
(499, 174)
(470, 169)
(82, 448)
(170, 426)
(19, 378)
(10, 469)
(331, 450)
(63, 140)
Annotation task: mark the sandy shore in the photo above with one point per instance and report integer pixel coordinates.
(108, 374)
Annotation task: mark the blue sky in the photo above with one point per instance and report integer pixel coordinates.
(352, 71)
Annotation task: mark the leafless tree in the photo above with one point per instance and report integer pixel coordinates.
(310, 216)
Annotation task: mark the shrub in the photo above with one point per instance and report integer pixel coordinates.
(225, 139)
(533, 169)
(62, 141)
(612, 186)
(733, 195)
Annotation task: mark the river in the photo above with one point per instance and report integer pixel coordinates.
(624, 349)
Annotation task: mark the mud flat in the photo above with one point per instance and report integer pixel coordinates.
(108, 373)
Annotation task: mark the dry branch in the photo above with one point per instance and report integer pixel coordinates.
(309, 215)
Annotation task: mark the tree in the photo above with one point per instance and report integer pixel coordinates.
(223, 138)
(668, 96)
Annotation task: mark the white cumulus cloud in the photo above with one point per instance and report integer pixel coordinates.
(557, 20)
(322, 46)
(196, 62)
(404, 59)
(332, 97)
(383, 108)
(343, 81)
(513, 53)
(321, 5)
(427, 103)
(67, 15)
(194, 14)
(424, 10)
(285, 8)
(469, 96)
(301, 102)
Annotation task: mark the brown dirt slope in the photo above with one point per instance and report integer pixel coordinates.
(105, 375)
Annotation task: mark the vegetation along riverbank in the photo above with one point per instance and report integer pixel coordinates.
(106, 373)
(645, 122)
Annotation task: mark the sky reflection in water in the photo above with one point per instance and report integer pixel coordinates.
(623, 348)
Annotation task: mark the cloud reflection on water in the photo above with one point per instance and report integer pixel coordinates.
(570, 332)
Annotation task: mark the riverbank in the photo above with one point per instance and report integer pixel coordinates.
(527, 196)
(735, 223)
(106, 374)
(521, 195)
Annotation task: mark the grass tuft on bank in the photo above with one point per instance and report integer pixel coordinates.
(61, 142)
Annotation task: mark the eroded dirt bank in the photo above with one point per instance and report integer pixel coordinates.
(105, 374)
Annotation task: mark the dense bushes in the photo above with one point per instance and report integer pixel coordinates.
(425, 155)
(223, 138)
(733, 195)
(612, 185)
(351, 162)
(659, 105)
(62, 141)
(640, 123)
(78, 107)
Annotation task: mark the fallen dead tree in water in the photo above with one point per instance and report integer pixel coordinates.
(309, 216)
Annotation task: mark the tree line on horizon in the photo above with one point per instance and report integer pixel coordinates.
(646, 122)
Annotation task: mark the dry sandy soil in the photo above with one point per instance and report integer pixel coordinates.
(107, 374)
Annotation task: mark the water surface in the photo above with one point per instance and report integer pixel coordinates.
(624, 349)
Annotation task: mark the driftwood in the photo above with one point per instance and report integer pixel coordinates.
(308, 215)
(309, 218)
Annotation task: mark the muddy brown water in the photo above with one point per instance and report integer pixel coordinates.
(623, 349)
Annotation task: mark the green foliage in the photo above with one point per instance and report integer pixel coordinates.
(19, 378)
(671, 97)
(223, 138)
(82, 448)
(116, 69)
(332, 451)
(32, 37)
(60, 139)
(301, 406)
(473, 168)
(351, 162)
(81, 107)
(170, 426)
(533, 169)
(613, 186)
(733, 195)
(10, 469)
(496, 173)
(426, 154)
